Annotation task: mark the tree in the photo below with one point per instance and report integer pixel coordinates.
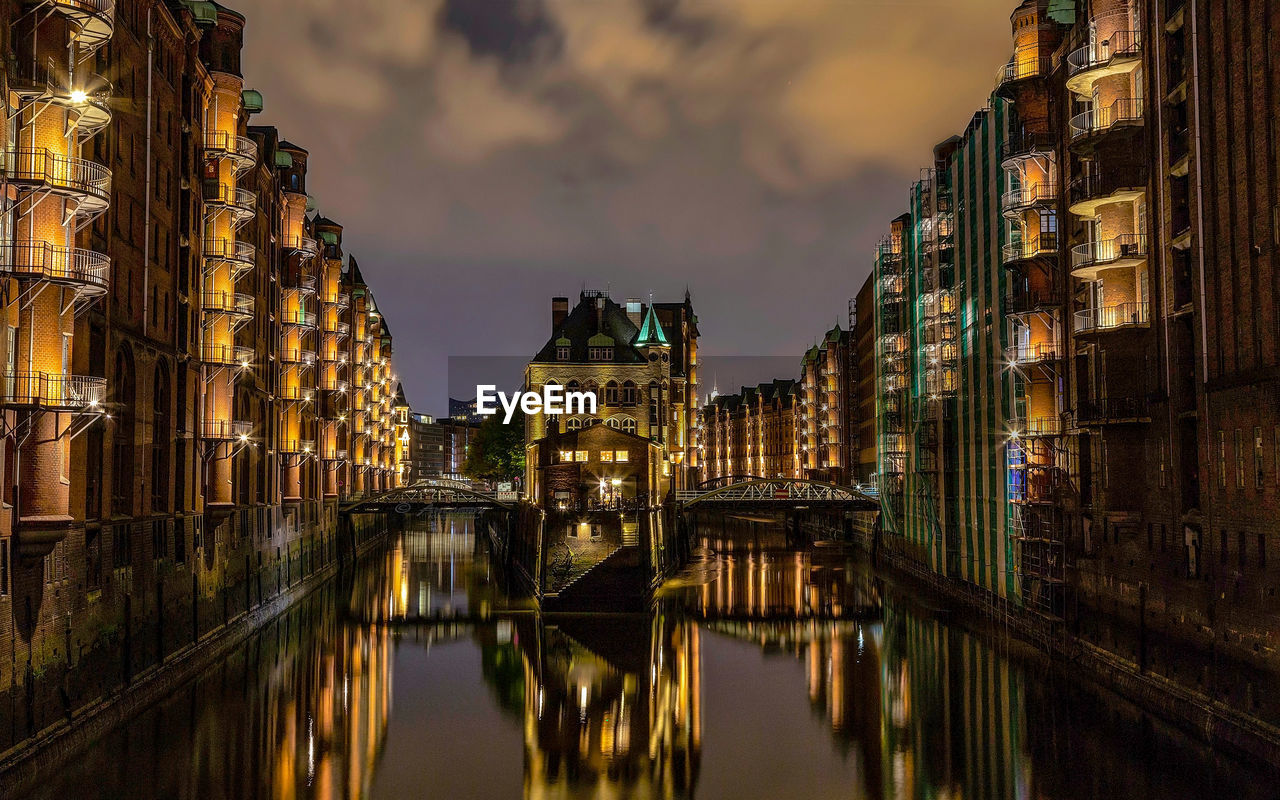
(497, 451)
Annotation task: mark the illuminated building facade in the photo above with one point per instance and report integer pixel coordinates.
(178, 346)
(751, 433)
(1106, 431)
(824, 415)
(640, 361)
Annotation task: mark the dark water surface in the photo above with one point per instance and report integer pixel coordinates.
(766, 674)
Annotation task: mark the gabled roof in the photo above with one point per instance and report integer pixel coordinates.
(596, 321)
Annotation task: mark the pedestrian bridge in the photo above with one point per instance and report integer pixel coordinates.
(425, 495)
(778, 493)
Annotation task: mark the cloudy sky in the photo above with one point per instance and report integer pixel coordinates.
(485, 155)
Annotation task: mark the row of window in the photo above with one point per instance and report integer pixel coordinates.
(604, 456)
(625, 424)
(1242, 451)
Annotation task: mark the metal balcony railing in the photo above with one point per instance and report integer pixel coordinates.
(1023, 67)
(1034, 353)
(293, 446)
(303, 245)
(86, 96)
(336, 455)
(1121, 44)
(227, 355)
(1036, 427)
(95, 21)
(1102, 185)
(225, 429)
(295, 392)
(300, 317)
(1046, 244)
(44, 169)
(306, 358)
(53, 391)
(241, 149)
(1106, 410)
(234, 303)
(1023, 143)
(230, 250)
(1121, 315)
(342, 300)
(307, 284)
(1028, 196)
(1098, 120)
(87, 271)
(241, 202)
(1126, 247)
(1026, 301)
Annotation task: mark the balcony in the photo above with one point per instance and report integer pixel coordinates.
(291, 446)
(339, 328)
(307, 284)
(85, 182)
(240, 203)
(94, 21)
(87, 98)
(1088, 193)
(336, 455)
(304, 246)
(1108, 318)
(225, 430)
(1023, 67)
(1037, 353)
(1030, 301)
(295, 393)
(53, 392)
(1118, 54)
(298, 317)
(86, 271)
(1037, 427)
(1124, 112)
(235, 304)
(892, 287)
(1043, 246)
(227, 355)
(1015, 201)
(305, 358)
(1112, 411)
(239, 256)
(331, 384)
(1088, 259)
(1025, 145)
(341, 300)
(242, 150)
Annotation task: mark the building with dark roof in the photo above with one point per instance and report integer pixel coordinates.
(751, 432)
(639, 361)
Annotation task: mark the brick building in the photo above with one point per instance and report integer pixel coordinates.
(640, 361)
(1106, 448)
(751, 433)
(825, 416)
(189, 387)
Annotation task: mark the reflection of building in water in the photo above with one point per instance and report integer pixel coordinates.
(953, 714)
(754, 583)
(601, 719)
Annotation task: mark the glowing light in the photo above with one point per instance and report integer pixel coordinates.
(79, 96)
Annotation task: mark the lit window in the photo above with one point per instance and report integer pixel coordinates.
(581, 455)
(566, 455)
(606, 456)
(620, 455)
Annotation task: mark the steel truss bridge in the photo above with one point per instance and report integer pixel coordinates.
(426, 495)
(777, 493)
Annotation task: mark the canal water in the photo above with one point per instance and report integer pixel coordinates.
(764, 673)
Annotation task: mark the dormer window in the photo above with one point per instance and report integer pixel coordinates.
(562, 354)
(600, 353)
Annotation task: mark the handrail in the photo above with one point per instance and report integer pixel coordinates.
(44, 261)
(1097, 120)
(294, 316)
(1108, 317)
(1128, 245)
(1045, 243)
(56, 170)
(241, 148)
(225, 429)
(1119, 44)
(227, 354)
(1032, 353)
(228, 302)
(234, 196)
(56, 391)
(1029, 195)
(229, 250)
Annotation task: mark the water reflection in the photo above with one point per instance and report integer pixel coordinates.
(762, 673)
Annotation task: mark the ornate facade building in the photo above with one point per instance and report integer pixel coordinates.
(640, 362)
(751, 433)
(194, 373)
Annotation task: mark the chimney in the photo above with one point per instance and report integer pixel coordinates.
(633, 312)
(559, 311)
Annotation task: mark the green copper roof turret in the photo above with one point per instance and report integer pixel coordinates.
(651, 331)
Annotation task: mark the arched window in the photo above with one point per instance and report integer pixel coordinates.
(628, 393)
(161, 439)
(628, 425)
(573, 424)
(613, 422)
(611, 393)
(122, 438)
